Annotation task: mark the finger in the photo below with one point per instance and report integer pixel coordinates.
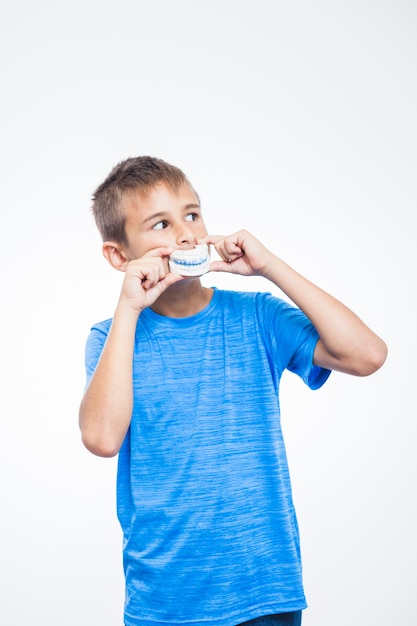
(161, 252)
(210, 239)
(228, 250)
(149, 276)
(153, 270)
(221, 266)
(226, 247)
(147, 265)
(164, 283)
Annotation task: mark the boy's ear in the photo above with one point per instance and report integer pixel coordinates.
(114, 254)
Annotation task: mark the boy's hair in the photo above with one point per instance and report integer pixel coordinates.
(134, 174)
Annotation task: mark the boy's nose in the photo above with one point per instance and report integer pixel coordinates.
(185, 235)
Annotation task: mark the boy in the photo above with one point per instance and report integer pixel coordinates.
(183, 384)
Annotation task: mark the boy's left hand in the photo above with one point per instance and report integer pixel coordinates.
(241, 253)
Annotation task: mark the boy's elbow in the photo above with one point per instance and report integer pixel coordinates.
(99, 447)
(373, 360)
(97, 439)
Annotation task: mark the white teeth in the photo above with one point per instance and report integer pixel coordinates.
(194, 262)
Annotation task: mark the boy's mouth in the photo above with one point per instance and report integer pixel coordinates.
(193, 262)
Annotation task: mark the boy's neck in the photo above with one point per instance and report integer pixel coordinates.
(183, 299)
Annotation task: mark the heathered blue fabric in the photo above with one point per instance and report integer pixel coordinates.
(203, 489)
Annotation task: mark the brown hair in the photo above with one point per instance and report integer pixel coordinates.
(133, 174)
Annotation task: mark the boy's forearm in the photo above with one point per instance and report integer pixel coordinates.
(346, 343)
(106, 408)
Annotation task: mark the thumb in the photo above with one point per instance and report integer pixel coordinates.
(221, 266)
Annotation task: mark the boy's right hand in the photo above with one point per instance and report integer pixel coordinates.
(146, 279)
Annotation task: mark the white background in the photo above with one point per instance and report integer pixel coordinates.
(296, 120)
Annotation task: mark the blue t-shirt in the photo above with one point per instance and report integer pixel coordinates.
(203, 489)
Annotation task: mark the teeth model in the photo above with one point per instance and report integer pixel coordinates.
(193, 262)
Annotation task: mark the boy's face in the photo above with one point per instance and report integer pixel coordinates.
(162, 217)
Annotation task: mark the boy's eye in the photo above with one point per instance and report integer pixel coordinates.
(191, 217)
(160, 225)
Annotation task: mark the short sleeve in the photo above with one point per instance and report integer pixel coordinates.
(94, 347)
(291, 340)
(302, 363)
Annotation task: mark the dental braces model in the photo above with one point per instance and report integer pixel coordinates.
(193, 262)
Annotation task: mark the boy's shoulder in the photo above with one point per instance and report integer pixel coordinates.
(258, 299)
(102, 326)
(230, 295)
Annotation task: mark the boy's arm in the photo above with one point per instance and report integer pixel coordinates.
(346, 344)
(106, 408)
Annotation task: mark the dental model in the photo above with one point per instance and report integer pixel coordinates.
(193, 262)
